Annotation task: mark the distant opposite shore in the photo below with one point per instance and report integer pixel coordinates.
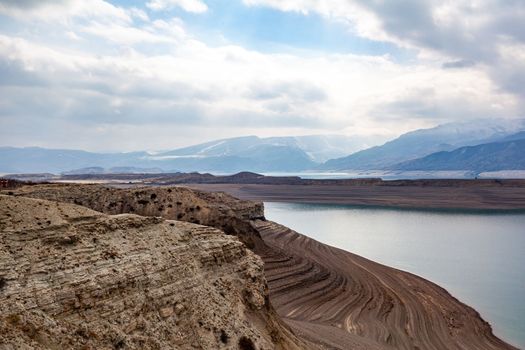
(471, 194)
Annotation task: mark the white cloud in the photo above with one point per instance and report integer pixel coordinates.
(196, 6)
(72, 35)
(152, 78)
(138, 13)
(221, 86)
(357, 18)
(129, 35)
(63, 11)
(473, 31)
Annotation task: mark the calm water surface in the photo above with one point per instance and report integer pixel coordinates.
(478, 257)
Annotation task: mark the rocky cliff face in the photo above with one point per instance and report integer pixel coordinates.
(177, 203)
(71, 277)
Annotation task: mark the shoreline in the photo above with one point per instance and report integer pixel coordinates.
(401, 292)
(449, 198)
(343, 237)
(444, 210)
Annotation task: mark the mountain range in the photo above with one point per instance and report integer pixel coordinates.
(251, 153)
(504, 155)
(475, 146)
(420, 143)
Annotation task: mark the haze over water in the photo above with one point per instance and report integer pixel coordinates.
(477, 257)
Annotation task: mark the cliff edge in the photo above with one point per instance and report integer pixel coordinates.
(71, 277)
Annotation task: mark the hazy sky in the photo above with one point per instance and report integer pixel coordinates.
(158, 74)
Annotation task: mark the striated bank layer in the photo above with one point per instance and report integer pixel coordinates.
(73, 278)
(342, 300)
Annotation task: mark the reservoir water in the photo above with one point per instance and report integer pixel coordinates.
(478, 257)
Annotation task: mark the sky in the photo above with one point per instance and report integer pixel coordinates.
(160, 74)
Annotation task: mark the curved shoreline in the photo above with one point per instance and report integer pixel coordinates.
(313, 284)
(456, 250)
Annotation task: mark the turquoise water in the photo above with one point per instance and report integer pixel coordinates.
(478, 257)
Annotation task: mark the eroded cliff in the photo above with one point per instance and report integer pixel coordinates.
(71, 277)
(215, 209)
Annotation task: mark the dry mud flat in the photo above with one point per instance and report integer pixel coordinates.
(331, 299)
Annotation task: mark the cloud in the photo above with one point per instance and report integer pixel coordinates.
(138, 13)
(437, 107)
(196, 6)
(300, 91)
(72, 35)
(460, 31)
(212, 86)
(63, 10)
(450, 26)
(129, 35)
(458, 64)
(28, 4)
(107, 71)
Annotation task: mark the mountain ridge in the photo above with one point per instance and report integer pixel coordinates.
(249, 153)
(270, 154)
(422, 142)
(494, 156)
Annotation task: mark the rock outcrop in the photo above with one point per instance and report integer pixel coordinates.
(218, 210)
(73, 278)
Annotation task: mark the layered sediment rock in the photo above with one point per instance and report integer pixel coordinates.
(177, 203)
(73, 278)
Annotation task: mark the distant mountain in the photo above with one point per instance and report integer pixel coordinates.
(495, 156)
(318, 148)
(251, 153)
(518, 136)
(113, 170)
(423, 142)
(321, 148)
(37, 160)
(261, 158)
(275, 154)
(263, 155)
